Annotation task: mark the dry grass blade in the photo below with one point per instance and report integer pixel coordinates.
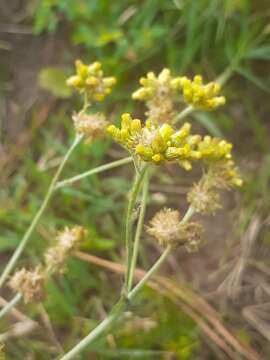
(232, 284)
(257, 316)
(196, 307)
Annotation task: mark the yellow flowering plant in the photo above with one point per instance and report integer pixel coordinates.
(150, 143)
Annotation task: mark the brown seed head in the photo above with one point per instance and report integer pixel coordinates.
(91, 126)
(30, 284)
(167, 229)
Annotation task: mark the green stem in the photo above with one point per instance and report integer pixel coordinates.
(10, 304)
(103, 326)
(130, 219)
(188, 110)
(138, 231)
(119, 308)
(224, 77)
(189, 213)
(96, 170)
(149, 273)
(12, 262)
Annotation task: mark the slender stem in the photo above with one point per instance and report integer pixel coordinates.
(224, 77)
(10, 304)
(188, 110)
(130, 219)
(149, 273)
(99, 330)
(119, 308)
(26, 237)
(138, 231)
(96, 170)
(189, 213)
(103, 326)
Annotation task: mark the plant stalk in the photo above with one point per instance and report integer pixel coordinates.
(138, 230)
(90, 172)
(129, 222)
(188, 110)
(12, 262)
(13, 302)
(104, 325)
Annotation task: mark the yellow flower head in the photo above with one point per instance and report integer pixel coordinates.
(158, 92)
(214, 149)
(89, 79)
(200, 96)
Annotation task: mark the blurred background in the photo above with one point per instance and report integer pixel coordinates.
(218, 305)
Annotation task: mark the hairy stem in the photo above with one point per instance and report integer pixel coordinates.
(138, 230)
(14, 301)
(26, 237)
(96, 170)
(130, 219)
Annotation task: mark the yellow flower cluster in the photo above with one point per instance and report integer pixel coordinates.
(158, 92)
(214, 149)
(160, 143)
(153, 143)
(201, 96)
(157, 86)
(89, 79)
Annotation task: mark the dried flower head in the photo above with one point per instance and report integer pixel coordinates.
(158, 92)
(166, 227)
(91, 126)
(201, 96)
(203, 199)
(29, 283)
(68, 240)
(89, 80)
(192, 232)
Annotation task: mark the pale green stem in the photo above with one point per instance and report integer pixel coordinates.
(188, 110)
(189, 213)
(120, 307)
(130, 219)
(149, 273)
(138, 231)
(224, 77)
(12, 262)
(103, 326)
(96, 170)
(93, 335)
(14, 301)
